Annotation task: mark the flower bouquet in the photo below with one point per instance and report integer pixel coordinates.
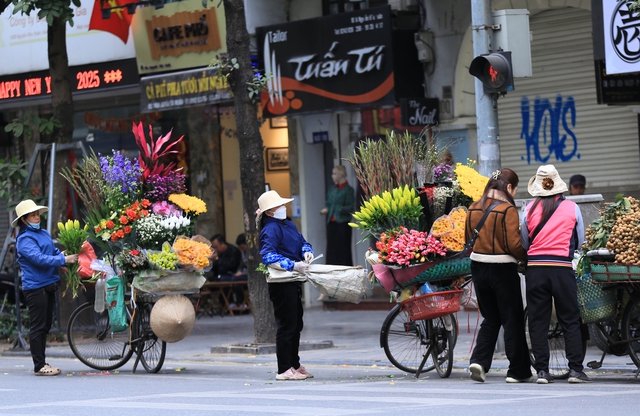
(135, 207)
(72, 236)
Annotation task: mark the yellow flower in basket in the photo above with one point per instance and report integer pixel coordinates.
(454, 240)
(193, 252)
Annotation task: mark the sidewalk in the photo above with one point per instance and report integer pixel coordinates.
(355, 336)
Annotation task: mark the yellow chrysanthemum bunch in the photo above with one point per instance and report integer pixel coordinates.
(471, 182)
(189, 204)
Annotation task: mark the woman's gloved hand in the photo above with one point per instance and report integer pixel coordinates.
(301, 267)
(308, 257)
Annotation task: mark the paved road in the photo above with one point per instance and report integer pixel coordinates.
(354, 377)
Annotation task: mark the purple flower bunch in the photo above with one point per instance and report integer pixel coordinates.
(121, 172)
(443, 173)
(158, 188)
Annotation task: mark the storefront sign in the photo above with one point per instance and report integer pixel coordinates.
(328, 63)
(420, 111)
(184, 89)
(617, 88)
(621, 42)
(178, 36)
(24, 41)
(83, 78)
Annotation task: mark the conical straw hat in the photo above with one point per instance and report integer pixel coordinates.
(172, 318)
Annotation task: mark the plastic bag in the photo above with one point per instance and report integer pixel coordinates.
(86, 256)
(468, 298)
(156, 281)
(115, 304)
(449, 229)
(102, 266)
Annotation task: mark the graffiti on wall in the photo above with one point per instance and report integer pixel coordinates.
(547, 129)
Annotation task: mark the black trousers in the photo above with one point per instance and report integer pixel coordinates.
(40, 303)
(500, 301)
(287, 308)
(558, 285)
(339, 244)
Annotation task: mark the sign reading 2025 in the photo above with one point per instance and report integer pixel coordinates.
(551, 129)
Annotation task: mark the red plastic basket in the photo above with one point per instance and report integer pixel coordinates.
(433, 305)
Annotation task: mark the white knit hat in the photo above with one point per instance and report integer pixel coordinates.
(546, 182)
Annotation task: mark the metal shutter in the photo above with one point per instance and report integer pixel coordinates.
(563, 69)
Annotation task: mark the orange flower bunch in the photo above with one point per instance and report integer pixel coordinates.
(193, 253)
(119, 224)
(450, 229)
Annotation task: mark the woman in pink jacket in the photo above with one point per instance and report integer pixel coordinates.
(552, 229)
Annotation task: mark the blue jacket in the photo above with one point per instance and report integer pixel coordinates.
(39, 259)
(280, 242)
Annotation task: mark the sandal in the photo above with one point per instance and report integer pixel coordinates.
(47, 370)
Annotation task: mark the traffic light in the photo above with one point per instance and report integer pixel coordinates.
(494, 70)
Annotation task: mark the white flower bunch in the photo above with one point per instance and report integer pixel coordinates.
(150, 233)
(174, 222)
(440, 195)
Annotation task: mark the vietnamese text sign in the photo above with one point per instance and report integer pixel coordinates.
(183, 89)
(328, 62)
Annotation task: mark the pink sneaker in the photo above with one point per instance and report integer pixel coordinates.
(291, 374)
(304, 372)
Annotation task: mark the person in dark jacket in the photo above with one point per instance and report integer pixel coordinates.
(494, 266)
(226, 266)
(281, 244)
(552, 230)
(39, 260)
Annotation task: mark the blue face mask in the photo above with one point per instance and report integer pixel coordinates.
(34, 225)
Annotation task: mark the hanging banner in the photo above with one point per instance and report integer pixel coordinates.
(328, 63)
(621, 39)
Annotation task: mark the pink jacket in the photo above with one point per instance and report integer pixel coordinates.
(559, 238)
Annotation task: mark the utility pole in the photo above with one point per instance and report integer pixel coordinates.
(486, 103)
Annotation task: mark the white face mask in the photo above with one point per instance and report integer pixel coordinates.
(280, 213)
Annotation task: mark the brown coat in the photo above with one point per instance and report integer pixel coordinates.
(499, 237)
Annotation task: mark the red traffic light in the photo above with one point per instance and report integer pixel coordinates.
(494, 70)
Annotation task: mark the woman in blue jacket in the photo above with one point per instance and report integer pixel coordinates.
(282, 244)
(39, 260)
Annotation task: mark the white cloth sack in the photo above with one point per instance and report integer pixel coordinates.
(344, 283)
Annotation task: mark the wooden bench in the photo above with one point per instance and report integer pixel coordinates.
(212, 291)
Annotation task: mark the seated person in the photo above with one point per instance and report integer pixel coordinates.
(241, 242)
(227, 261)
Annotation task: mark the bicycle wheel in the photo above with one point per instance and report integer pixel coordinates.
(631, 330)
(151, 350)
(404, 341)
(442, 351)
(91, 340)
(558, 363)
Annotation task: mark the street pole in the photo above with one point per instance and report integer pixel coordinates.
(486, 104)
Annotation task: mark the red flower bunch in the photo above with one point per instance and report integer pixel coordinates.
(119, 225)
(405, 247)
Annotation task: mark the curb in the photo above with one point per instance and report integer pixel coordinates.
(257, 349)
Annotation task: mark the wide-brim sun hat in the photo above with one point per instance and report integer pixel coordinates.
(268, 200)
(546, 182)
(27, 207)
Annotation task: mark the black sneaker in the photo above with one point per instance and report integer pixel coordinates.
(578, 377)
(544, 377)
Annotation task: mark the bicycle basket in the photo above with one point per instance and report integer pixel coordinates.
(614, 272)
(433, 305)
(596, 303)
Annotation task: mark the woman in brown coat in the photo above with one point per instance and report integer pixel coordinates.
(494, 267)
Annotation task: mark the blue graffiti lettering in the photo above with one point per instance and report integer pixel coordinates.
(546, 123)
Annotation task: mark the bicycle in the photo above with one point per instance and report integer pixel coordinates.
(419, 334)
(97, 346)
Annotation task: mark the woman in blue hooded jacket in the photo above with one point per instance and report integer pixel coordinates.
(39, 260)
